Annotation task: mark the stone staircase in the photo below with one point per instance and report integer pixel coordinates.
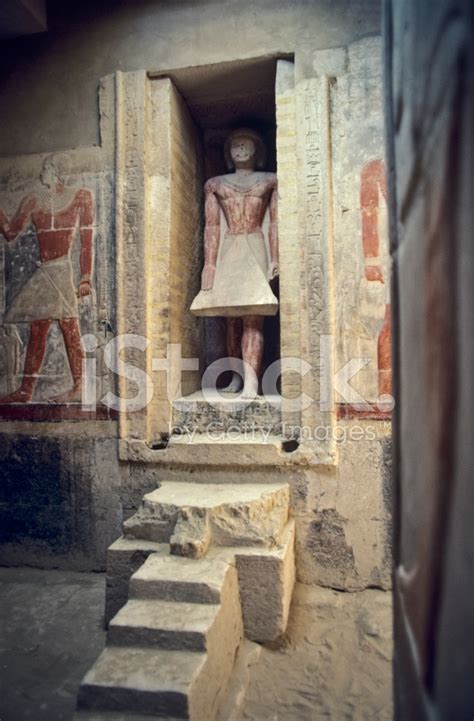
(199, 567)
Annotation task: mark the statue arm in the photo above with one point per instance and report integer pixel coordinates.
(211, 237)
(273, 234)
(86, 232)
(12, 228)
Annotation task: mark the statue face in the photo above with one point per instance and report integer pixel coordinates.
(242, 150)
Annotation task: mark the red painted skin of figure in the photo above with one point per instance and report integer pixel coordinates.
(55, 233)
(244, 197)
(373, 179)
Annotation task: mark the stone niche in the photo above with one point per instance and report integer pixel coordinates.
(216, 100)
(169, 133)
(170, 130)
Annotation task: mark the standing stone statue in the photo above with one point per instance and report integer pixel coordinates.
(239, 261)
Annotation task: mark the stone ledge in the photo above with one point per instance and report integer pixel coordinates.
(194, 516)
(261, 450)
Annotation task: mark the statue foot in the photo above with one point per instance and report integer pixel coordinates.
(72, 396)
(250, 391)
(21, 395)
(235, 386)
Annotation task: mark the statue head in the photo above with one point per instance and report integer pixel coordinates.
(56, 169)
(244, 148)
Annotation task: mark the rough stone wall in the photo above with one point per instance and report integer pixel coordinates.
(59, 498)
(430, 94)
(344, 516)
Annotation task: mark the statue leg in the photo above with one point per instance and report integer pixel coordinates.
(35, 351)
(252, 352)
(75, 354)
(234, 350)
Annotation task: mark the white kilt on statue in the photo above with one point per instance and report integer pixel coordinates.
(241, 284)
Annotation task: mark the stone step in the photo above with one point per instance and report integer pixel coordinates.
(190, 683)
(176, 578)
(193, 516)
(266, 578)
(164, 624)
(248, 655)
(124, 557)
(147, 681)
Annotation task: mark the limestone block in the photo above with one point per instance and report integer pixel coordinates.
(152, 522)
(266, 581)
(247, 657)
(192, 533)
(190, 515)
(172, 625)
(143, 680)
(181, 625)
(124, 557)
(190, 684)
(174, 578)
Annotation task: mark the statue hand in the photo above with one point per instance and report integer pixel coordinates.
(207, 277)
(374, 272)
(274, 270)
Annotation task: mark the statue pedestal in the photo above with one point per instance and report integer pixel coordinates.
(226, 412)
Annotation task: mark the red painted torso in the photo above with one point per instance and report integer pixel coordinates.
(55, 231)
(244, 203)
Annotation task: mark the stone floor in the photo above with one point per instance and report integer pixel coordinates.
(335, 664)
(50, 634)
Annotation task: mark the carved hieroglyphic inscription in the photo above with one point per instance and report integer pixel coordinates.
(288, 233)
(130, 228)
(314, 233)
(316, 321)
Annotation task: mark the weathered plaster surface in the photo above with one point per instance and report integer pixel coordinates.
(153, 36)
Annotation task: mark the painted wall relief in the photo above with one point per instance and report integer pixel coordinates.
(361, 247)
(42, 290)
(372, 193)
(364, 287)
